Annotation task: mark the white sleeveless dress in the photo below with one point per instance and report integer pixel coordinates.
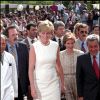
(45, 75)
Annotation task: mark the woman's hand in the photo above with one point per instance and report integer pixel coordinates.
(63, 89)
(33, 92)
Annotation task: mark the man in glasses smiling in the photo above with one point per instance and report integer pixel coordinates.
(82, 34)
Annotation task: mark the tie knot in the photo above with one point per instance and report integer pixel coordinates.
(82, 43)
(12, 47)
(32, 41)
(94, 56)
(59, 40)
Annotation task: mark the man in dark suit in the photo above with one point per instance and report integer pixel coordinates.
(31, 34)
(20, 53)
(31, 38)
(88, 71)
(59, 29)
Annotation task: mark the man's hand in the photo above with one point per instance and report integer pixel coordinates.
(80, 98)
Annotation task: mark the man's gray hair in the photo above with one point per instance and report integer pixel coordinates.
(57, 24)
(92, 37)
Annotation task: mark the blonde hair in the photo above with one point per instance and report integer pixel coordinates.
(77, 25)
(45, 26)
(82, 25)
(68, 36)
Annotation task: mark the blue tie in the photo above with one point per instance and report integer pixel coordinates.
(82, 47)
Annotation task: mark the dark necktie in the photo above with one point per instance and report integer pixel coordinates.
(32, 41)
(82, 47)
(96, 67)
(59, 40)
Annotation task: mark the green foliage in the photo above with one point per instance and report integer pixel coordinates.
(41, 2)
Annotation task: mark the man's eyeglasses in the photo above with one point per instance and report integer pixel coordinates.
(83, 32)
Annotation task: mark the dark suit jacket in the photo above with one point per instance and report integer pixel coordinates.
(62, 47)
(27, 43)
(88, 85)
(23, 57)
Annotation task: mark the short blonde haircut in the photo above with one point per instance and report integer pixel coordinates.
(45, 26)
(68, 36)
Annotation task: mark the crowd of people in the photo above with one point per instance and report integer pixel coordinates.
(51, 52)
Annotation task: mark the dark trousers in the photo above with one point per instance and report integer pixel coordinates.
(98, 96)
(20, 95)
(29, 94)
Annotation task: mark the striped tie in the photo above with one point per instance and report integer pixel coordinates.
(13, 52)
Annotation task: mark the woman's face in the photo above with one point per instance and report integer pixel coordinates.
(69, 44)
(45, 36)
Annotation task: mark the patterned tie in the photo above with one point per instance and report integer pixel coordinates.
(96, 67)
(13, 52)
(82, 47)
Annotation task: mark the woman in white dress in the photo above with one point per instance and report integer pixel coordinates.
(68, 59)
(44, 63)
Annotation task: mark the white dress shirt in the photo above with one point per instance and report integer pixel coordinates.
(97, 58)
(57, 39)
(78, 44)
(29, 40)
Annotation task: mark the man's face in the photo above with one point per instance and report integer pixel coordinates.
(83, 32)
(2, 45)
(13, 35)
(96, 30)
(93, 47)
(32, 32)
(60, 31)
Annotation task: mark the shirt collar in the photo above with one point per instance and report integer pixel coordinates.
(29, 39)
(82, 41)
(97, 55)
(9, 45)
(59, 38)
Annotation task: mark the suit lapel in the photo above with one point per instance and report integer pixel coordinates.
(18, 49)
(26, 41)
(6, 49)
